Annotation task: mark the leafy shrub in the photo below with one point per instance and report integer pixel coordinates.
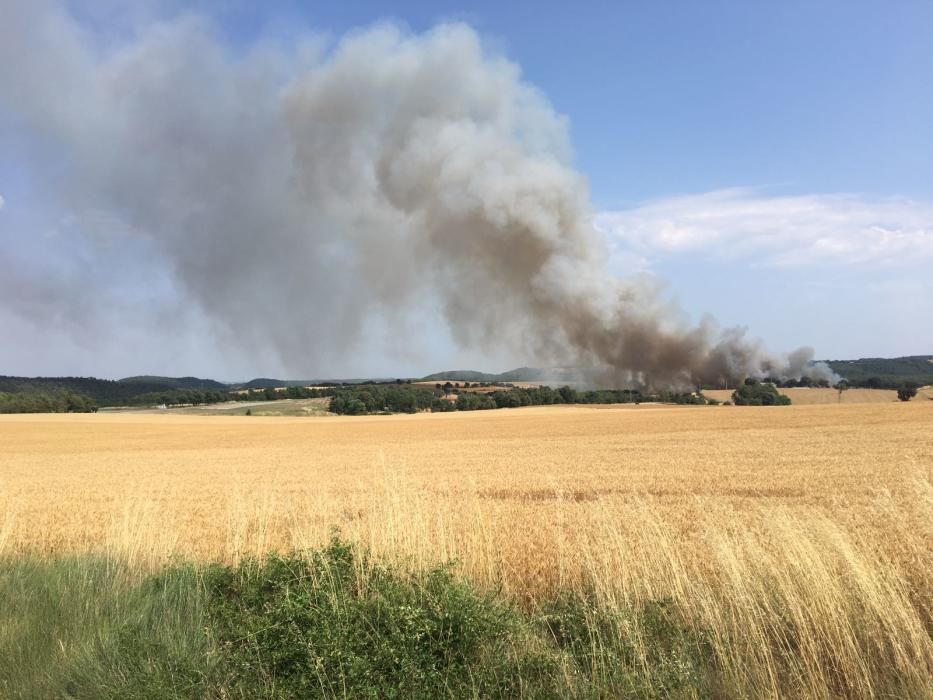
(327, 623)
(332, 624)
(755, 393)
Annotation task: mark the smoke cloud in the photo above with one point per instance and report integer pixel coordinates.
(298, 192)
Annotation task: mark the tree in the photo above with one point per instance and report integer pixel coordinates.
(843, 385)
(906, 392)
(755, 393)
(567, 394)
(355, 407)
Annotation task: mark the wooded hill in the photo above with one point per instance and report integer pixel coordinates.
(873, 372)
(885, 373)
(106, 392)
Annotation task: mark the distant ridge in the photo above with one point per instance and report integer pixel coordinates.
(461, 375)
(177, 382)
(519, 374)
(267, 383)
(889, 372)
(876, 372)
(917, 369)
(107, 392)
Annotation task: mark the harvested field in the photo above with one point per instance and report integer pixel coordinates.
(809, 521)
(807, 397)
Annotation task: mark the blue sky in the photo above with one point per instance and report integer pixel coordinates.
(773, 163)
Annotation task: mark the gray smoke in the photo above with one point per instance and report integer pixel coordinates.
(299, 192)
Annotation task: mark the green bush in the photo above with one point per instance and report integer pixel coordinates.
(755, 393)
(328, 623)
(332, 624)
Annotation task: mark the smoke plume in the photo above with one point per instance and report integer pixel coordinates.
(297, 192)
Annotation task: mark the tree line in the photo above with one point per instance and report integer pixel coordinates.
(195, 397)
(105, 392)
(46, 402)
(891, 382)
(370, 398)
(390, 397)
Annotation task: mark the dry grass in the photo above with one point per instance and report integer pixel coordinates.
(798, 539)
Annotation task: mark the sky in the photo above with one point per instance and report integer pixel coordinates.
(769, 164)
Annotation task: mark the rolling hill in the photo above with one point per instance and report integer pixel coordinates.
(871, 372)
(877, 372)
(106, 392)
(177, 382)
(888, 372)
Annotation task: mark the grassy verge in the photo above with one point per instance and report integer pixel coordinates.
(325, 624)
(87, 627)
(333, 623)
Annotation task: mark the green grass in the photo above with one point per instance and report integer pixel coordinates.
(329, 623)
(87, 627)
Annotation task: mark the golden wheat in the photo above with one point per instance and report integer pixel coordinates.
(804, 528)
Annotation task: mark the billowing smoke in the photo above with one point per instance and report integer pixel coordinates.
(298, 192)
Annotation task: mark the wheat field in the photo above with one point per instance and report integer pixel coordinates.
(797, 538)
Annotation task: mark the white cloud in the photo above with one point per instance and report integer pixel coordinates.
(776, 231)
(2, 201)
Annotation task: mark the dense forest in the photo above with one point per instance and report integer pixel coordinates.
(105, 392)
(67, 394)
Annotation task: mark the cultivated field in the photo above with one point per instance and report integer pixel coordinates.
(801, 396)
(798, 539)
(285, 407)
